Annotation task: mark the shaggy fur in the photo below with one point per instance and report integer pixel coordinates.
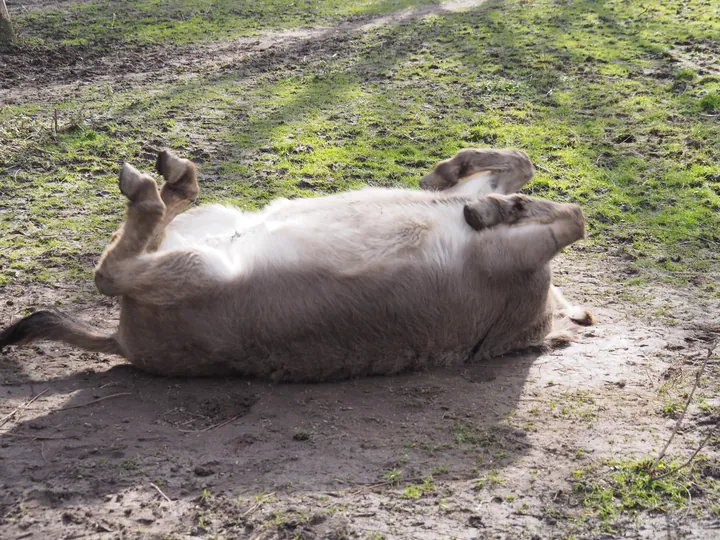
(370, 282)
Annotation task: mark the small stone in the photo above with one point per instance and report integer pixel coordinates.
(476, 522)
(203, 471)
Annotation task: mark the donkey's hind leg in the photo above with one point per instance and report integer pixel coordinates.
(125, 269)
(145, 211)
(522, 233)
(179, 191)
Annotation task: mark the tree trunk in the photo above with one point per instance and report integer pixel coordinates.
(7, 34)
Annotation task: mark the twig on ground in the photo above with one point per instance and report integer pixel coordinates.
(397, 482)
(658, 229)
(42, 451)
(647, 370)
(95, 401)
(219, 424)
(37, 437)
(20, 408)
(160, 491)
(689, 506)
(682, 417)
(695, 453)
(258, 504)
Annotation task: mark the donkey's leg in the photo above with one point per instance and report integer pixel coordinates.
(576, 314)
(169, 277)
(145, 211)
(126, 270)
(495, 210)
(481, 171)
(179, 191)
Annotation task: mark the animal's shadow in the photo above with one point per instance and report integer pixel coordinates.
(103, 433)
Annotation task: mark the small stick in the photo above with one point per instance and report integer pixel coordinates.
(257, 505)
(20, 408)
(95, 401)
(658, 229)
(695, 453)
(682, 416)
(160, 491)
(55, 118)
(221, 424)
(37, 437)
(42, 451)
(376, 485)
(689, 506)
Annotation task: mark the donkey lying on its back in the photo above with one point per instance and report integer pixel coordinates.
(368, 282)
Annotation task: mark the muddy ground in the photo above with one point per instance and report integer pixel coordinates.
(524, 446)
(106, 451)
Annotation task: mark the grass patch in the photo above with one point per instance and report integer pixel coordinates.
(617, 490)
(595, 92)
(710, 102)
(415, 491)
(102, 23)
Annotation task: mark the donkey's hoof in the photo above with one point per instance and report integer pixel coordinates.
(134, 185)
(171, 167)
(580, 316)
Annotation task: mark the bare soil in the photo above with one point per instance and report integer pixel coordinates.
(242, 458)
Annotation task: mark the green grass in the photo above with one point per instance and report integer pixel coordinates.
(186, 21)
(415, 491)
(598, 93)
(620, 489)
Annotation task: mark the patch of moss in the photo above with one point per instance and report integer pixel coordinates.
(590, 90)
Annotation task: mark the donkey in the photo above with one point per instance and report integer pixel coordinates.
(369, 282)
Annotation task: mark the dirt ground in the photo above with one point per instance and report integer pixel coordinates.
(106, 451)
(92, 448)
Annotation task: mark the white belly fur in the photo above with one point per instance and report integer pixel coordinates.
(347, 232)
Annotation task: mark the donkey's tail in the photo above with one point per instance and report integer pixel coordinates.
(57, 326)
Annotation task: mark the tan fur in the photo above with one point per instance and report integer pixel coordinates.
(503, 171)
(509, 170)
(391, 280)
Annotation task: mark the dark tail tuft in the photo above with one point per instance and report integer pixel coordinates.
(56, 326)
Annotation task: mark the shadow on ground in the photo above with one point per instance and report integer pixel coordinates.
(94, 434)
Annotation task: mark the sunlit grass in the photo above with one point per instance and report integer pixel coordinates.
(598, 93)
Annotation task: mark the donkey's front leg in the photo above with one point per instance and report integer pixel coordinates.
(480, 171)
(563, 307)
